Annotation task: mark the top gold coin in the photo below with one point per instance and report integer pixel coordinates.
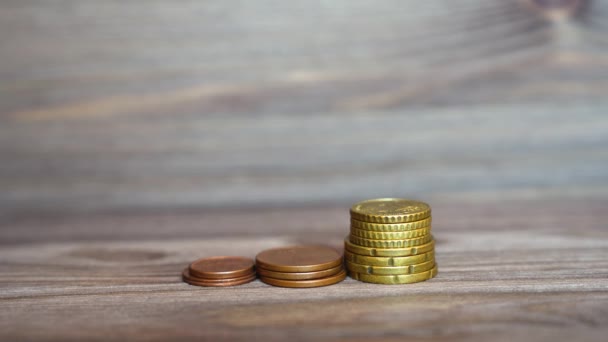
(390, 210)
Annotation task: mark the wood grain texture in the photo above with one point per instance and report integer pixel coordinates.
(534, 270)
(136, 136)
(156, 104)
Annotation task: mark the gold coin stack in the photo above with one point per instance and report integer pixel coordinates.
(390, 242)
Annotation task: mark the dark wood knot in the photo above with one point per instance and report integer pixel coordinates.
(553, 4)
(557, 9)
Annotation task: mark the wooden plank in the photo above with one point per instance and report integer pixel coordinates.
(306, 224)
(149, 104)
(528, 269)
(305, 160)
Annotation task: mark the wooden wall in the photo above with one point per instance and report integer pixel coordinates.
(164, 104)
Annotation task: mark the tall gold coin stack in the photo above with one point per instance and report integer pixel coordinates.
(390, 242)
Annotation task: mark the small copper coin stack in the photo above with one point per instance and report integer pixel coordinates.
(219, 271)
(390, 242)
(300, 266)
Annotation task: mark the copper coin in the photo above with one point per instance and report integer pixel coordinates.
(223, 283)
(187, 275)
(299, 259)
(299, 275)
(306, 283)
(221, 267)
(188, 278)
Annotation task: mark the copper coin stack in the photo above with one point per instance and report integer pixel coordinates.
(220, 271)
(390, 242)
(300, 266)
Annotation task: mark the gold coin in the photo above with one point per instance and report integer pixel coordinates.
(390, 243)
(395, 279)
(390, 227)
(380, 270)
(388, 252)
(388, 261)
(369, 234)
(390, 210)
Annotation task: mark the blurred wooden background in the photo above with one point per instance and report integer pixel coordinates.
(148, 104)
(138, 135)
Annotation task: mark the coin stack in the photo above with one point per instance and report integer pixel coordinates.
(390, 242)
(219, 271)
(300, 266)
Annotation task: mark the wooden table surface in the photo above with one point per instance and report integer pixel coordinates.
(529, 270)
(136, 136)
